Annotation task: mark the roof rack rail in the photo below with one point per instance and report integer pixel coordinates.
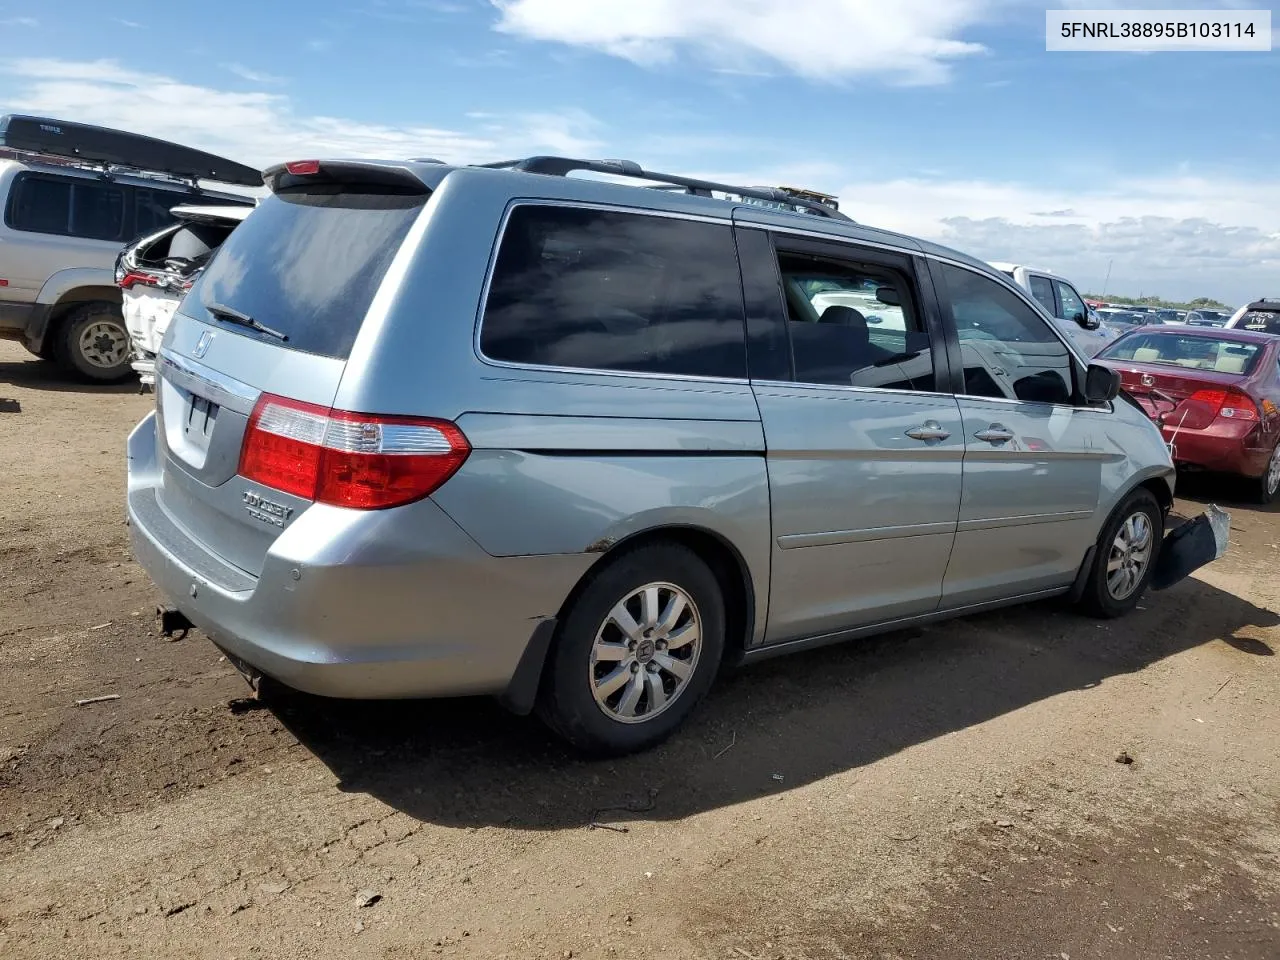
(809, 201)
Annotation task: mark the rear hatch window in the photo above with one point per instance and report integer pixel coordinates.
(306, 264)
(1263, 321)
(1189, 352)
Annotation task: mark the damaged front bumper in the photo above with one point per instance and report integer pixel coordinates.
(1190, 546)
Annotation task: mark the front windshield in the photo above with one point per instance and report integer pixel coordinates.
(1192, 352)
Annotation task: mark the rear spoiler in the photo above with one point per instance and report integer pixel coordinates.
(392, 177)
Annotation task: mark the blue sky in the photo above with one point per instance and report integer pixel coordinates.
(944, 118)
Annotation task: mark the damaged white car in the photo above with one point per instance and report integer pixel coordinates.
(155, 272)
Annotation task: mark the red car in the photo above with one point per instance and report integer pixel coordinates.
(1215, 395)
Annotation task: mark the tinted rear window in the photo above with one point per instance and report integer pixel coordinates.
(616, 291)
(67, 206)
(1190, 351)
(1264, 321)
(307, 263)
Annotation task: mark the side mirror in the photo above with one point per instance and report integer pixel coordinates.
(1087, 320)
(889, 296)
(1101, 384)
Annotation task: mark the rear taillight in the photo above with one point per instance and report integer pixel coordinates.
(1229, 404)
(348, 459)
(132, 279)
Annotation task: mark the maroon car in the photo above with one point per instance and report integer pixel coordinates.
(1215, 395)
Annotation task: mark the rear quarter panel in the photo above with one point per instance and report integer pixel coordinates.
(563, 462)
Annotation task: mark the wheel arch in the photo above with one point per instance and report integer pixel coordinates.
(71, 300)
(1159, 482)
(725, 560)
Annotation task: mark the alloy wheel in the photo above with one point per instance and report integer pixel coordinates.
(104, 344)
(645, 652)
(1130, 556)
(1273, 472)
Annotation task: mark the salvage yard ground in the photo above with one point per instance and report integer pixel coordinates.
(1027, 784)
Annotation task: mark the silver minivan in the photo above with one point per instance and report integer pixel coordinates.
(429, 431)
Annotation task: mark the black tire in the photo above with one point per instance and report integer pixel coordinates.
(1098, 598)
(566, 699)
(90, 360)
(1265, 487)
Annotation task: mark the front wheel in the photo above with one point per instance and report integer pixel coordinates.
(95, 343)
(1126, 556)
(637, 650)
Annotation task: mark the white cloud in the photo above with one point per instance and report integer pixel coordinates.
(253, 76)
(907, 41)
(913, 41)
(262, 128)
(20, 22)
(1176, 236)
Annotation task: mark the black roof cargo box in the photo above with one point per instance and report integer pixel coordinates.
(100, 145)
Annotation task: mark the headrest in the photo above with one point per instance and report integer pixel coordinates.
(844, 317)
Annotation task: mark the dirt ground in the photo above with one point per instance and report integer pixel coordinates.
(950, 792)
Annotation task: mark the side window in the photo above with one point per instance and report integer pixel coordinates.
(40, 204)
(1072, 305)
(151, 209)
(97, 211)
(1007, 349)
(67, 207)
(854, 325)
(616, 291)
(1042, 290)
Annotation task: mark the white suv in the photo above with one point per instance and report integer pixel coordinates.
(1261, 315)
(67, 210)
(1074, 318)
(155, 272)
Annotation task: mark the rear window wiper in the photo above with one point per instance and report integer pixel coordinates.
(227, 314)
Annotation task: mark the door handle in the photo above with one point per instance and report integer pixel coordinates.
(929, 430)
(995, 434)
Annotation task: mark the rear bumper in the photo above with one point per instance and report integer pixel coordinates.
(1226, 447)
(144, 365)
(346, 605)
(23, 321)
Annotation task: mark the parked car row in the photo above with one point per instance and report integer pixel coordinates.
(72, 195)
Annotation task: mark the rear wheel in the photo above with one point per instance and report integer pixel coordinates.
(1125, 557)
(95, 343)
(636, 652)
(1268, 485)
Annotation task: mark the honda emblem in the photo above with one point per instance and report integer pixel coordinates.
(202, 345)
(1147, 379)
